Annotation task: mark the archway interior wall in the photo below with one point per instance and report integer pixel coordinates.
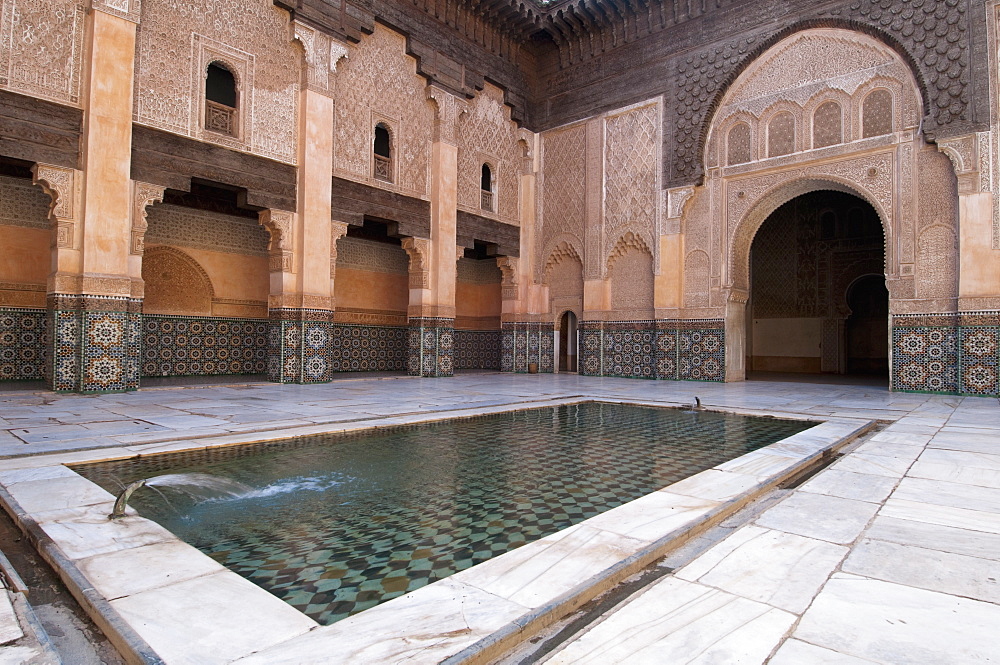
(25, 235)
(206, 287)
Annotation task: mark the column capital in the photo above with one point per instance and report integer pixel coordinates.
(130, 10)
(448, 108)
(321, 55)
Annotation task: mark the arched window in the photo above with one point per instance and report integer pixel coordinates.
(876, 114)
(486, 189)
(738, 144)
(828, 125)
(383, 153)
(781, 135)
(221, 99)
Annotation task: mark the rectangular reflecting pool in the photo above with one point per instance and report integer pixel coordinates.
(336, 524)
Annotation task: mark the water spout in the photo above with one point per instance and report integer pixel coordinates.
(122, 501)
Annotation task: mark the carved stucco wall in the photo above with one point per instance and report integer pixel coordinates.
(175, 283)
(178, 39)
(201, 229)
(886, 170)
(23, 204)
(934, 34)
(378, 82)
(631, 174)
(41, 48)
(486, 134)
(630, 276)
(564, 276)
(563, 197)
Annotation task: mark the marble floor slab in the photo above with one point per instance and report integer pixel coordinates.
(828, 518)
(676, 621)
(894, 623)
(850, 485)
(795, 569)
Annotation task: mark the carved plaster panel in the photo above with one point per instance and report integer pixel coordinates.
(322, 53)
(835, 65)
(23, 204)
(143, 195)
(563, 186)
(279, 225)
(378, 80)
(508, 266)
(63, 185)
(174, 46)
(631, 174)
(130, 10)
(201, 229)
(971, 158)
(487, 134)
(41, 47)
(418, 249)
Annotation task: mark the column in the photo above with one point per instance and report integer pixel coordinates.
(94, 302)
(431, 311)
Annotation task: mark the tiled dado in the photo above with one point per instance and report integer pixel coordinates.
(477, 349)
(95, 343)
(306, 347)
(526, 343)
(203, 346)
(431, 347)
(947, 353)
(23, 342)
(666, 349)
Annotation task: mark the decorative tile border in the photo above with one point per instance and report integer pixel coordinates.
(95, 345)
(23, 344)
(431, 347)
(202, 346)
(526, 343)
(947, 353)
(477, 349)
(687, 350)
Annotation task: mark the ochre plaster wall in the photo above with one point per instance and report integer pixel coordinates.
(234, 277)
(477, 301)
(25, 256)
(376, 291)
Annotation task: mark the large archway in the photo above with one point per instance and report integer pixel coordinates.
(817, 297)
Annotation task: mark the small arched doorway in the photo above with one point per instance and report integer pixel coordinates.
(818, 303)
(567, 342)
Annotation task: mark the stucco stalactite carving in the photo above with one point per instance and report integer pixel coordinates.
(508, 266)
(487, 135)
(321, 54)
(337, 231)
(631, 168)
(63, 185)
(379, 63)
(418, 249)
(630, 274)
(23, 204)
(130, 10)
(447, 108)
(252, 40)
(965, 154)
(143, 195)
(279, 225)
(41, 48)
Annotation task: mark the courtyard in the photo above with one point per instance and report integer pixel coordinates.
(886, 554)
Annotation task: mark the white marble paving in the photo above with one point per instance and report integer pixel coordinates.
(936, 537)
(10, 629)
(819, 516)
(876, 465)
(946, 493)
(136, 569)
(957, 574)
(795, 569)
(85, 532)
(963, 518)
(894, 623)
(210, 620)
(850, 485)
(797, 652)
(716, 485)
(675, 621)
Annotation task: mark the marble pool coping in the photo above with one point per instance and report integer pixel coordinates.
(161, 600)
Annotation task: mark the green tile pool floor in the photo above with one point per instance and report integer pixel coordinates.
(336, 524)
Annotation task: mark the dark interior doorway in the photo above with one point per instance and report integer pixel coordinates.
(567, 342)
(818, 301)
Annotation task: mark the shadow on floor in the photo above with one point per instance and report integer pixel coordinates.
(874, 380)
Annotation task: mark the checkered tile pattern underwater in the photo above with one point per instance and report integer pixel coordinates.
(377, 515)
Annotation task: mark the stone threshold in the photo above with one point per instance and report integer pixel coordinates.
(161, 600)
